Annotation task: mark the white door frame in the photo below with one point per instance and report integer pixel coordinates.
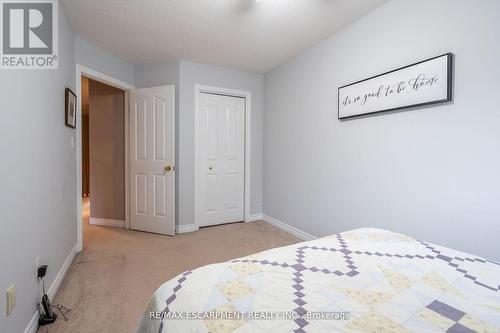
(198, 88)
(109, 80)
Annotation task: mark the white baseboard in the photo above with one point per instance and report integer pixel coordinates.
(54, 287)
(254, 217)
(107, 222)
(288, 228)
(33, 325)
(182, 229)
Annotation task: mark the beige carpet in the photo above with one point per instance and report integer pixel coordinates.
(110, 282)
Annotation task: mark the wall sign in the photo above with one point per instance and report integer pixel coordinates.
(423, 83)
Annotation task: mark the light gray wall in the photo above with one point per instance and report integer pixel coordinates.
(96, 58)
(193, 73)
(107, 151)
(37, 204)
(432, 173)
(151, 75)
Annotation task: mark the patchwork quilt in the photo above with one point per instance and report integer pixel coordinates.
(365, 280)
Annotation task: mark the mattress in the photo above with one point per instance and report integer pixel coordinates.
(364, 280)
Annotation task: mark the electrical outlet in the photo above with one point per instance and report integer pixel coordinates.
(37, 264)
(11, 299)
(258, 198)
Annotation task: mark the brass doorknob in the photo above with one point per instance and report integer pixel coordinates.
(168, 168)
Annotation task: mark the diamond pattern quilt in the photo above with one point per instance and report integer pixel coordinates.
(365, 280)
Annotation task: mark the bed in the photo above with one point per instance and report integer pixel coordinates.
(364, 280)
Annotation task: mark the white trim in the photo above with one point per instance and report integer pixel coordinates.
(98, 76)
(127, 160)
(288, 228)
(247, 95)
(33, 324)
(106, 79)
(182, 229)
(107, 222)
(254, 217)
(54, 287)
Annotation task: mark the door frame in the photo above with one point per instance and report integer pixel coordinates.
(247, 95)
(109, 80)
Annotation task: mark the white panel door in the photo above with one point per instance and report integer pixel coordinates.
(221, 159)
(152, 174)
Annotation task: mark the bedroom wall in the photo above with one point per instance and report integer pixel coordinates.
(151, 75)
(107, 151)
(194, 73)
(101, 60)
(431, 173)
(38, 182)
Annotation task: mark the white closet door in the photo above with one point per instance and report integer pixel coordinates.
(152, 152)
(221, 159)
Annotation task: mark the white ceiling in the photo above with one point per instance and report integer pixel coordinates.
(243, 34)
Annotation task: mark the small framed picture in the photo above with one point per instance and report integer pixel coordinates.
(70, 108)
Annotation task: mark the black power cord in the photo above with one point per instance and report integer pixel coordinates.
(47, 316)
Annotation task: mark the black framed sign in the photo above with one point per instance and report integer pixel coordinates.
(422, 83)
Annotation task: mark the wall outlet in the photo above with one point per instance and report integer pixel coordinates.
(258, 198)
(11, 299)
(37, 264)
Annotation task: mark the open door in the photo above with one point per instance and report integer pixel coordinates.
(152, 157)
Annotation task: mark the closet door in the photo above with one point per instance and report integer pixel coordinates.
(220, 159)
